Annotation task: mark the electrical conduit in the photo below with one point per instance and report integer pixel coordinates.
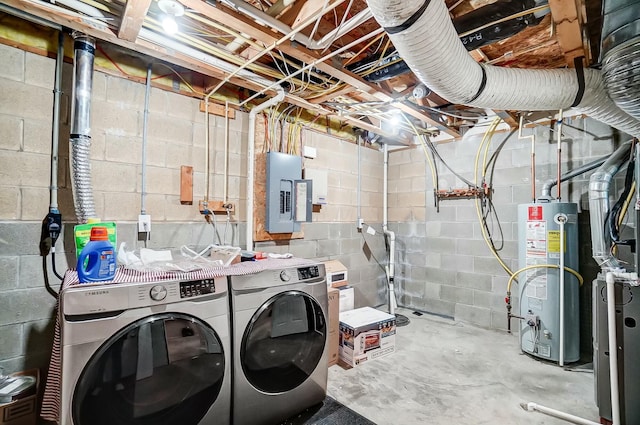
(80, 138)
(145, 128)
(55, 134)
(251, 159)
(426, 39)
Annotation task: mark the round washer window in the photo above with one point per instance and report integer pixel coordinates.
(165, 369)
(283, 342)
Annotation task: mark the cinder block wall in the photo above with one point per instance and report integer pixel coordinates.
(445, 266)
(176, 137)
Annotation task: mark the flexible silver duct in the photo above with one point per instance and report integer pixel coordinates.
(80, 139)
(425, 37)
(621, 70)
(620, 52)
(599, 185)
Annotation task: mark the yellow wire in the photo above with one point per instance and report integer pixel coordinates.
(487, 138)
(625, 206)
(189, 86)
(546, 266)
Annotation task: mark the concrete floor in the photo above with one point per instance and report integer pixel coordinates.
(444, 372)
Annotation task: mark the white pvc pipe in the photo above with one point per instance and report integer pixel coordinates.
(531, 407)
(225, 183)
(561, 221)
(250, 161)
(610, 279)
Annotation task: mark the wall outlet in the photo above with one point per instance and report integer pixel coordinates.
(144, 223)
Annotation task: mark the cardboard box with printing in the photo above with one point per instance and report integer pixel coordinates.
(336, 273)
(334, 325)
(366, 334)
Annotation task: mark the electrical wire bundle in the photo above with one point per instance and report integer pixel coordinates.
(617, 213)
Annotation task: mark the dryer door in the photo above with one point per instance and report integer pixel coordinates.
(165, 369)
(283, 342)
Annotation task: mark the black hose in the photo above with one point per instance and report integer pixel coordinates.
(53, 263)
(47, 285)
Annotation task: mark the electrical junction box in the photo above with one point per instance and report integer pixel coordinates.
(320, 185)
(288, 196)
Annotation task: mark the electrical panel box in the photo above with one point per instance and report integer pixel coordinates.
(289, 201)
(320, 185)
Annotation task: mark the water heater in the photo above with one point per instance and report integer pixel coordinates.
(539, 287)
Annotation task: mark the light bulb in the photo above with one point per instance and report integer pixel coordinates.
(169, 24)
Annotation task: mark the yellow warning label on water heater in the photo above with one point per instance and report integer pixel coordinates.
(553, 241)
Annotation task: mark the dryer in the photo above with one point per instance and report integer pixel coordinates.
(279, 321)
(146, 353)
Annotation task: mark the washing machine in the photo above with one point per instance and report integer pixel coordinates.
(146, 353)
(279, 322)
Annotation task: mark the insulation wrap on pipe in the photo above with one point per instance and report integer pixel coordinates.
(80, 139)
(426, 39)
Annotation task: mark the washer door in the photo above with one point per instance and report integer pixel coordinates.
(283, 342)
(165, 369)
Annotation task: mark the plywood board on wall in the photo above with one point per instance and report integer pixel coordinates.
(260, 205)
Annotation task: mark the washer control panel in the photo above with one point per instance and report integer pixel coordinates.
(194, 288)
(308, 272)
(158, 293)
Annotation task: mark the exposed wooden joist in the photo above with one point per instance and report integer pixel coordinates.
(309, 8)
(344, 90)
(566, 17)
(159, 52)
(132, 19)
(247, 26)
(508, 117)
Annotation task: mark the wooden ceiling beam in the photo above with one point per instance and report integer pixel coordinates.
(132, 19)
(245, 25)
(568, 25)
(508, 117)
(41, 10)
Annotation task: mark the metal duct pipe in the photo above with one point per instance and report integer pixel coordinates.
(426, 39)
(621, 53)
(549, 184)
(80, 138)
(599, 185)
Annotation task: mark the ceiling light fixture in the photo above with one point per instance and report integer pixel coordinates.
(171, 9)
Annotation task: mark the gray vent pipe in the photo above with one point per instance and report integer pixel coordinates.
(549, 184)
(80, 139)
(599, 185)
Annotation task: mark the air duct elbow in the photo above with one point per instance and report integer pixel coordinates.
(599, 185)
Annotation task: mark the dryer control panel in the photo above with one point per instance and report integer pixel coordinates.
(308, 272)
(194, 288)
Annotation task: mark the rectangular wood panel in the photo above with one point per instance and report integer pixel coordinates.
(186, 185)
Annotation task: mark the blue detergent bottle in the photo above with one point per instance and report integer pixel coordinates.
(99, 256)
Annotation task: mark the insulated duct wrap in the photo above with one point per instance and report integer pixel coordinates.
(426, 39)
(80, 139)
